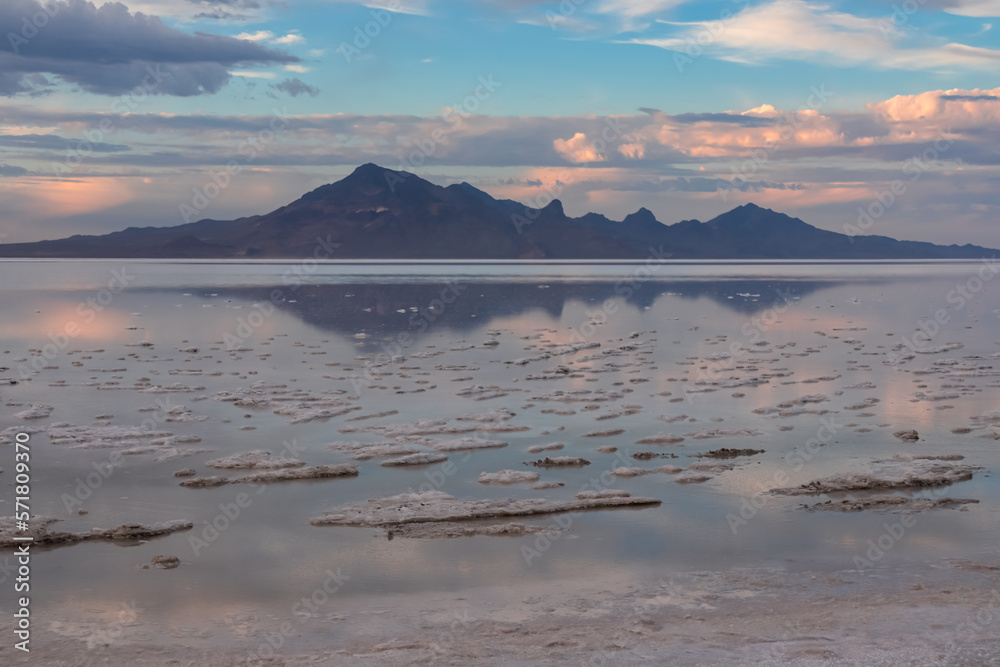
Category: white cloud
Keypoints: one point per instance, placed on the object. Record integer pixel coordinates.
(416, 7)
(290, 38)
(636, 8)
(259, 36)
(954, 110)
(578, 149)
(255, 75)
(977, 8)
(301, 69)
(801, 30)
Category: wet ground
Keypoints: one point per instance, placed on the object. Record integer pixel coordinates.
(645, 372)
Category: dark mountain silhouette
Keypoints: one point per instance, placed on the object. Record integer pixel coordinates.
(376, 213)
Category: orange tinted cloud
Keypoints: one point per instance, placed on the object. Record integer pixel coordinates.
(52, 198)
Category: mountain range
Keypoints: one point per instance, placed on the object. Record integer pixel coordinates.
(377, 213)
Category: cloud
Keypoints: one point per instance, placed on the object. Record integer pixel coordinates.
(259, 36)
(12, 171)
(801, 30)
(290, 38)
(970, 98)
(295, 87)
(255, 75)
(415, 7)
(268, 36)
(121, 52)
(224, 11)
(736, 119)
(589, 15)
(636, 8)
(886, 133)
(941, 109)
(976, 8)
(55, 143)
(578, 149)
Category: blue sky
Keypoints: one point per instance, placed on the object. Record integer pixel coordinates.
(687, 108)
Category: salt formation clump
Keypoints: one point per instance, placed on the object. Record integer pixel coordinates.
(439, 506)
(636, 472)
(508, 477)
(258, 460)
(36, 411)
(38, 530)
(897, 473)
(284, 475)
(420, 458)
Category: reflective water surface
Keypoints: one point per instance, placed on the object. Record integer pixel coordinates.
(683, 348)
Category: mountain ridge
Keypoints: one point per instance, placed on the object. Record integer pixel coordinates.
(378, 213)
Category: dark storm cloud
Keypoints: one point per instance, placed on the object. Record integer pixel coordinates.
(110, 51)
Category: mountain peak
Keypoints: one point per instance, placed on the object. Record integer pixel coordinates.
(367, 169)
(642, 216)
(372, 173)
(383, 213)
(555, 207)
(750, 207)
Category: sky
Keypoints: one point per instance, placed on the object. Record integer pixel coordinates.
(875, 117)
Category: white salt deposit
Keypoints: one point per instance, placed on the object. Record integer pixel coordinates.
(420, 458)
(508, 477)
(439, 506)
(256, 460)
(897, 473)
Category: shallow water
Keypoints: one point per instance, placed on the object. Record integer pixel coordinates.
(317, 330)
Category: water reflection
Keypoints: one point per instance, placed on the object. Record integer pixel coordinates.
(349, 308)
